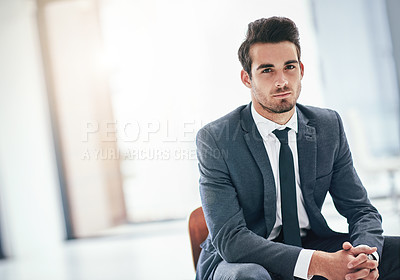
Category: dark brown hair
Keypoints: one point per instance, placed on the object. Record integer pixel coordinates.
(268, 30)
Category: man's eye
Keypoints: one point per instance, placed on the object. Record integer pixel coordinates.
(267, 70)
(290, 67)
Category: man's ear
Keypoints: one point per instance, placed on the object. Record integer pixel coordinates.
(302, 69)
(245, 78)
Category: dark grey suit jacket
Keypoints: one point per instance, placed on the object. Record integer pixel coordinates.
(237, 189)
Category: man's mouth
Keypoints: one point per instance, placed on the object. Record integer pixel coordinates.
(281, 95)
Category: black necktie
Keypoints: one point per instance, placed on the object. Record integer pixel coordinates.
(290, 222)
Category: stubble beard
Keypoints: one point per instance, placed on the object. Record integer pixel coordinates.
(283, 106)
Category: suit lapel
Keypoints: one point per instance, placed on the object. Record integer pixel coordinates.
(307, 154)
(256, 146)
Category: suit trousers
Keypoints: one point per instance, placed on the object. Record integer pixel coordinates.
(389, 266)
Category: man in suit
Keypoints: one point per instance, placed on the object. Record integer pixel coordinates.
(265, 170)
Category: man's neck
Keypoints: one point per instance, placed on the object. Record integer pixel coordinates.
(279, 118)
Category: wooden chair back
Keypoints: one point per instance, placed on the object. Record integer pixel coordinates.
(198, 232)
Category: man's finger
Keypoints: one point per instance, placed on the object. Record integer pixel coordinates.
(359, 274)
(361, 258)
(347, 246)
(373, 275)
(359, 263)
(362, 249)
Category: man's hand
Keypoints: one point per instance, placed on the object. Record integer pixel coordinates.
(332, 266)
(350, 263)
(362, 266)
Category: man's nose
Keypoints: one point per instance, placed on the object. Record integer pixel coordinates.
(281, 80)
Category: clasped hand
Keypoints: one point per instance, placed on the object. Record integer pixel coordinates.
(360, 265)
(351, 263)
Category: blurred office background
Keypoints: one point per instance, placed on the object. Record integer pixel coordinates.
(100, 102)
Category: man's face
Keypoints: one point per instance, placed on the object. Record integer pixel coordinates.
(276, 78)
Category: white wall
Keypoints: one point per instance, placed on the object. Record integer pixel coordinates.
(31, 211)
(174, 63)
(357, 64)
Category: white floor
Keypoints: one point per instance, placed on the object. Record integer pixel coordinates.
(146, 251)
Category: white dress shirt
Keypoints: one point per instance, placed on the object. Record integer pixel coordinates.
(272, 146)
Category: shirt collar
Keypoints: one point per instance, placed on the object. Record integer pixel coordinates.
(266, 126)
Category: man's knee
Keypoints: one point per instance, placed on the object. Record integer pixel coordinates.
(389, 265)
(251, 272)
(244, 271)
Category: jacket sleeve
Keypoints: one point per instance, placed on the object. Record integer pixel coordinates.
(229, 235)
(351, 200)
